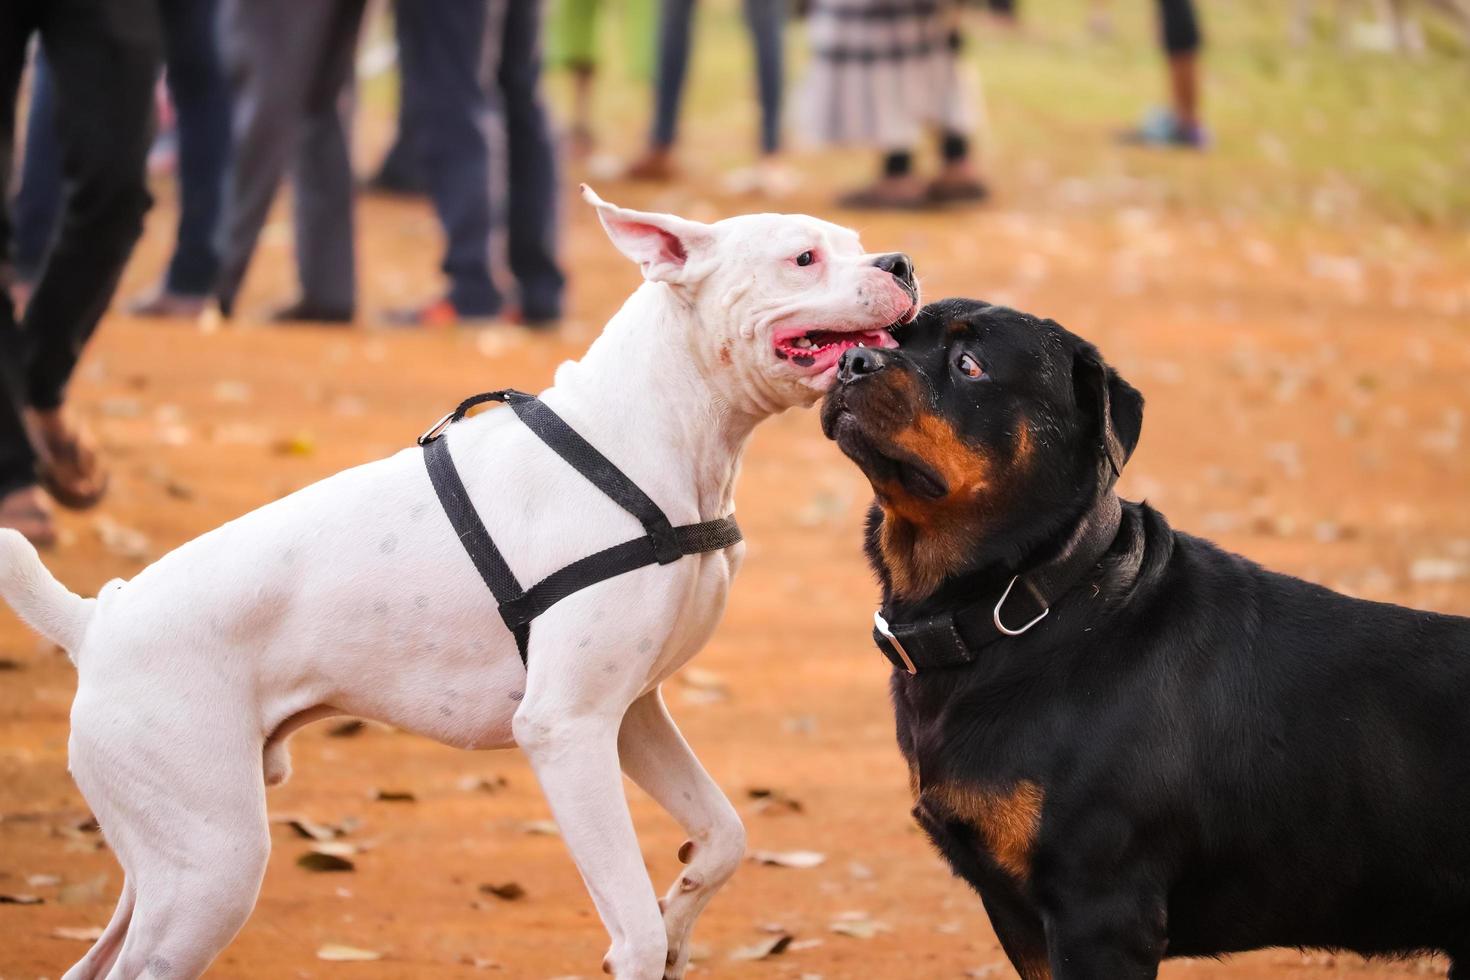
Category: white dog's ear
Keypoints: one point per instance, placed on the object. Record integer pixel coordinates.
(666, 247)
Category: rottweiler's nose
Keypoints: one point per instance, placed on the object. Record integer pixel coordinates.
(898, 265)
(857, 362)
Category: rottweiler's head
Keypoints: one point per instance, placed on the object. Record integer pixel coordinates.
(984, 434)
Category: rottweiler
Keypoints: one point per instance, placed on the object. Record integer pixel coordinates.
(1133, 744)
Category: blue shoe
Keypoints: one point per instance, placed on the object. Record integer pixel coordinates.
(1160, 129)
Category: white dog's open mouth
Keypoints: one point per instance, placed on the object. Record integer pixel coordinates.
(817, 350)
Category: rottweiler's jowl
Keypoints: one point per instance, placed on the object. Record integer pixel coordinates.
(1133, 744)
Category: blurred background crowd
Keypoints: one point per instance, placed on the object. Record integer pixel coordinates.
(234, 100)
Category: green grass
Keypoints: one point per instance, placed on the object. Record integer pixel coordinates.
(1314, 134)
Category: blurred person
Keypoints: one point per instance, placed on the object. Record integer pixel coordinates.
(882, 71)
(469, 66)
(765, 19)
(103, 60)
(291, 68)
(196, 85)
(397, 173)
(1179, 125)
(573, 36)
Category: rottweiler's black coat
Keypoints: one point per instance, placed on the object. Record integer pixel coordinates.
(1191, 755)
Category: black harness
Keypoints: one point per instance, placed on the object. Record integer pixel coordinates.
(663, 543)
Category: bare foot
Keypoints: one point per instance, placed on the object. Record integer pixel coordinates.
(28, 511)
(71, 467)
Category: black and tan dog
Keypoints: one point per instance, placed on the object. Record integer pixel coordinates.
(1133, 744)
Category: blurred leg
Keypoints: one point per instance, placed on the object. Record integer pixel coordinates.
(17, 460)
(270, 49)
(532, 214)
(322, 178)
(201, 97)
(38, 202)
(104, 60)
(1179, 26)
(442, 48)
(765, 19)
(675, 30)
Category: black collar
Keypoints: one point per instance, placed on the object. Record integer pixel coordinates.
(956, 637)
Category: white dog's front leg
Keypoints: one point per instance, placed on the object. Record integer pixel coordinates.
(575, 756)
(658, 759)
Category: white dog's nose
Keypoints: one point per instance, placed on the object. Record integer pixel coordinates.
(898, 265)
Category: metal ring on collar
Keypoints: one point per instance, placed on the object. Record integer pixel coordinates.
(881, 625)
(995, 617)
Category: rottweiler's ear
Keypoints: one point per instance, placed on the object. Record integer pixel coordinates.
(1114, 404)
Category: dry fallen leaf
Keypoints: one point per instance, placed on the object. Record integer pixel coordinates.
(765, 949)
(337, 953)
(86, 934)
(541, 828)
(311, 830)
(125, 542)
(348, 728)
(335, 848)
(510, 891)
(394, 796)
(482, 784)
(858, 928)
(773, 801)
(20, 899)
(789, 859)
(317, 861)
(297, 444)
(82, 892)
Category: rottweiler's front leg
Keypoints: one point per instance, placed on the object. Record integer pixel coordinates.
(1113, 935)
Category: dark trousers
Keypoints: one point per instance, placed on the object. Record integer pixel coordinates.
(104, 58)
(471, 67)
(765, 19)
(1179, 27)
(201, 97)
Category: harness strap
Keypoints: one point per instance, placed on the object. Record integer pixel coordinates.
(663, 543)
(489, 562)
(598, 469)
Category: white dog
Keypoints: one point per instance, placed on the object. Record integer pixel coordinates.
(354, 596)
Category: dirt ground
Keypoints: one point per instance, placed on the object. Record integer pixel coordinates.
(1306, 406)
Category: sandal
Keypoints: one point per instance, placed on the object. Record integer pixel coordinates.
(69, 465)
(26, 510)
(963, 190)
(887, 195)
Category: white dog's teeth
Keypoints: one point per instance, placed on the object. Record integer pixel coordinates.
(802, 342)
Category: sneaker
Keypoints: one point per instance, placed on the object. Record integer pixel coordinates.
(162, 303)
(304, 311)
(441, 314)
(1160, 129)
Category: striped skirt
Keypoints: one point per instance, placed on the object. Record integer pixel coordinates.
(882, 71)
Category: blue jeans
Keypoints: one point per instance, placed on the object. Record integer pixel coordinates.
(765, 18)
(444, 46)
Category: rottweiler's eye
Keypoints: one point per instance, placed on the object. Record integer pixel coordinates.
(806, 258)
(969, 367)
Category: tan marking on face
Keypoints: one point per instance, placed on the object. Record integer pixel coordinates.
(1007, 821)
(925, 541)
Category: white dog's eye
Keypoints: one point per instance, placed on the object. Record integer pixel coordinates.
(806, 258)
(969, 367)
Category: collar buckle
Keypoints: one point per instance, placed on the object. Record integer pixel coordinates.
(881, 625)
(995, 616)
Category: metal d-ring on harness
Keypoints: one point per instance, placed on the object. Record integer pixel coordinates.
(663, 543)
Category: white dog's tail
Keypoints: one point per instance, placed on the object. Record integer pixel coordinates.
(49, 607)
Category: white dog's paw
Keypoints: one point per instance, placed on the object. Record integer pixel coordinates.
(277, 763)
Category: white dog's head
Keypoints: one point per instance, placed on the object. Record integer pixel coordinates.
(775, 298)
